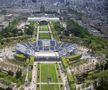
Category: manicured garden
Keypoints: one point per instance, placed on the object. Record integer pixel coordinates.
(44, 36)
(70, 76)
(64, 62)
(20, 57)
(50, 87)
(71, 81)
(74, 57)
(48, 73)
(43, 27)
(29, 75)
(56, 29)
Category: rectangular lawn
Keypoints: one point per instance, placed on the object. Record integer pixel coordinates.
(44, 36)
(49, 87)
(44, 28)
(48, 71)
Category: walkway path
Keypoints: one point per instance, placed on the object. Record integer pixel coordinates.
(50, 32)
(37, 33)
(64, 77)
(34, 77)
(26, 87)
(26, 79)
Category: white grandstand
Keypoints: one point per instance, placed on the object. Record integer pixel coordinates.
(49, 50)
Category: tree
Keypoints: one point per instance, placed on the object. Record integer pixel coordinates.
(18, 74)
(102, 77)
(106, 65)
(8, 88)
(10, 73)
(76, 29)
(103, 84)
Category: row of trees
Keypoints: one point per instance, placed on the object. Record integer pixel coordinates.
(57, 30)
(100, 80)
(76, 30)
(9, 77)
(30, 28)
(11, 33)
(98, 45)
(76, 33)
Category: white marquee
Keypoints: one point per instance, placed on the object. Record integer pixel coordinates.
(43, 19)
(46, 54)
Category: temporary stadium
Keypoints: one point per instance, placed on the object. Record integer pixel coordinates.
(46, 48)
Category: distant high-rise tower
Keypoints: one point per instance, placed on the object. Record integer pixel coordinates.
(65, 1)
(105, 8)
(23, 2)
(34, 1)
(62, 1)
(42, 8)
(106, 5)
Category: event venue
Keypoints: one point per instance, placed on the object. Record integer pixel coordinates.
(45, 47)
(53, 45)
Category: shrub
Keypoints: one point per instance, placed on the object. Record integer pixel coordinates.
(73, 87)
(20, 57)
(10, 73)
(71, 82)
(31, 60)
(64, 62)
(75, 57)
(70, 79)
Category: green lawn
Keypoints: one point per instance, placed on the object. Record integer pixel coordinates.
(44, 28)
(44, 36)
(48, 71)
(49, 87)
(29, 75)
(54, 32)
